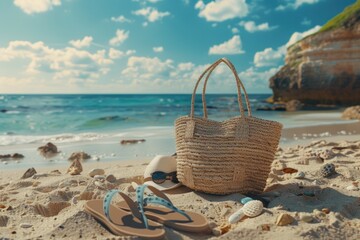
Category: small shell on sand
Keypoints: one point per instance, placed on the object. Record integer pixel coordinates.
(306, 217)
(284, 219)
(327, 170)
(222, 229)
(75, 167)
(325, 210)
(299, 175)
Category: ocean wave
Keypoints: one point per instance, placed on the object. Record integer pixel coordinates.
(6, 140)
(12, 112)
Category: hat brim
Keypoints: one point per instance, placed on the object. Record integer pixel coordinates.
(167, 185)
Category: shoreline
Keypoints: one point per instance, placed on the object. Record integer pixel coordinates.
(161, 143)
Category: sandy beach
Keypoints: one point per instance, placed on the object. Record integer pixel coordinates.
(49, 205)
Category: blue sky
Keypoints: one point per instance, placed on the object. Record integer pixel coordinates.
(149, 46)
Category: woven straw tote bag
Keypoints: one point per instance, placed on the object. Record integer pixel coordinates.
(229, 156)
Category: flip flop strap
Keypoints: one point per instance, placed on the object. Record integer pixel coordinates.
(134, 211)
(156, 200)
(140, 200)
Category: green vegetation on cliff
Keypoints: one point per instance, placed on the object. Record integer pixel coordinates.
(341, 19)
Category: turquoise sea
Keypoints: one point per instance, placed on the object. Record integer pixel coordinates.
(29, 118)
(97, 123)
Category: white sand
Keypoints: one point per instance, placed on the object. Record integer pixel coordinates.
(29, 198)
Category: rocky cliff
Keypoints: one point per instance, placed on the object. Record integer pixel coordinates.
(324, 68)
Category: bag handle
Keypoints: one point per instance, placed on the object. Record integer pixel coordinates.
(238, 81)
(239, 85)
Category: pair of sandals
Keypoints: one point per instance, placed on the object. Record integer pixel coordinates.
(141, 219)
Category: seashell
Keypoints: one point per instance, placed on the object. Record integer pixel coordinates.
(75, 167)
(111, 178)
(319, 214)
(289, 170)
(4, 220)
(29, 173)
(325, 210)
(25, 225)
(284, 219)
(251, 209)
(222, 229)
(2, 206)
(245, 200)
(327, 170)
(51, 209)
(299, 175)
(96, 171)
(306, 218)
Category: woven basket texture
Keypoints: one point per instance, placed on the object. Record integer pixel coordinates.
(229, 156)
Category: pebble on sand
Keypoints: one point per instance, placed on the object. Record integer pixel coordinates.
(96, 171)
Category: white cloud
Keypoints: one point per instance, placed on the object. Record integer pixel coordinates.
(221, 10)
(272, 57)
(251, 26)
(257, 80)
(232, 46)
(269, 57)
(158, 49)
(36, 6)
(115, 54)
(154, 74)
(295, 4)
(62, 63)
(235, 30)
(121, 19)
(151, 14)
(120, 37)
(85, 42)
(296, 36)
